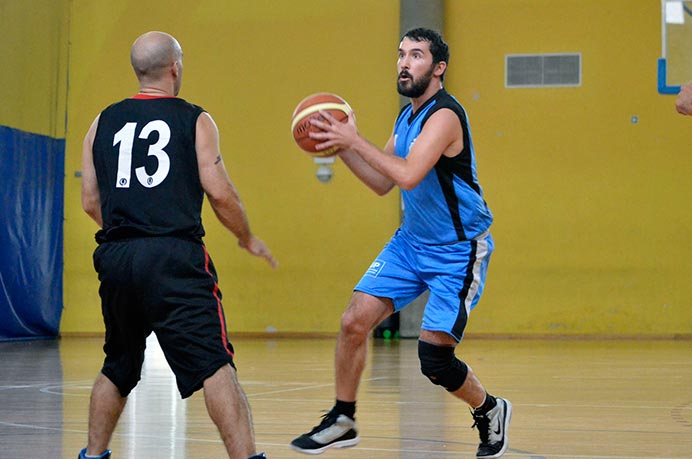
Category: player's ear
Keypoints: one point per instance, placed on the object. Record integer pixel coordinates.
(175, 69)
(440, 68)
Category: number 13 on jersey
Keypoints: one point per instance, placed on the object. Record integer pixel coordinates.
(125, 137)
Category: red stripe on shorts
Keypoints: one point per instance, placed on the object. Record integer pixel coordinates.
(219, 307)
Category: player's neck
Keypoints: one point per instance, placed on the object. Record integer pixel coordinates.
(432, 89)
(156, 90)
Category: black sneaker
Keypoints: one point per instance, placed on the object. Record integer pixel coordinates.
(492, 428)
(335, 431)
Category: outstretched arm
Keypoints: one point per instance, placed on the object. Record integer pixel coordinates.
(221, 192)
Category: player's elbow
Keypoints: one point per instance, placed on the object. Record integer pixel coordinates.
(92, 207)
(90, 204)
(682, 108)
(382, 188)
(408, 183)
(408, 178)
(217, 191)
(678, 107)
(221, 201)
(216, 200)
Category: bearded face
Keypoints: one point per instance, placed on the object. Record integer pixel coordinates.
(409, 86)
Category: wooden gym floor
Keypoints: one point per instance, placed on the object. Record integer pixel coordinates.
(572, 399)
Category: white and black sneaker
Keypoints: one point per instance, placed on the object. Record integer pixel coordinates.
(335, 431)
(492, 428)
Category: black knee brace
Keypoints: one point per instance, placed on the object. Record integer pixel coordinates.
(441, 367)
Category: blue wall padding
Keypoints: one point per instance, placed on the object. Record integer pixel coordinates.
(32, 172)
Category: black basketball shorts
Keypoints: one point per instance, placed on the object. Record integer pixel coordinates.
(169, 286)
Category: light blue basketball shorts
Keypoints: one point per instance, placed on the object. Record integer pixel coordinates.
(454, 273)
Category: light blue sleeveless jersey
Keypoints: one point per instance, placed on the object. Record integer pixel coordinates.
(447, 205)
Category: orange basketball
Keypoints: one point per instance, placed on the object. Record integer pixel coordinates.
(309, 109)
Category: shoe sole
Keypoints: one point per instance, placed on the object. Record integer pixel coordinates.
(336, 444)
(508, 417)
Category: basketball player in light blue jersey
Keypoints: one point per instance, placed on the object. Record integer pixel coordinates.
(443, 245)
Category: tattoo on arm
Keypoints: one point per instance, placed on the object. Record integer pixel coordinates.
(218, 160)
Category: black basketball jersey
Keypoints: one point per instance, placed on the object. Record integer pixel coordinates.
(146, 167)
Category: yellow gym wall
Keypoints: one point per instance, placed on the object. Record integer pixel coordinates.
(33, 84)
(593, 225)
(593, 228)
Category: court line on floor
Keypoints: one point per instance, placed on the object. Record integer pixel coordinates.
(359, 448)
(510, 453)
(50, 388)
(530, 405)
(30, 386)
(297, 389)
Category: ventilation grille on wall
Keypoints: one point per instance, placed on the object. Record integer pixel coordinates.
(540, 70)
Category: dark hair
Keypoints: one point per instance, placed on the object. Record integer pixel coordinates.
(438, 47)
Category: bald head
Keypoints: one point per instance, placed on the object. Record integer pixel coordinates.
(153, 53)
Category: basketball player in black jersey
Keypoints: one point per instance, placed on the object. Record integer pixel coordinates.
(147, 163)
